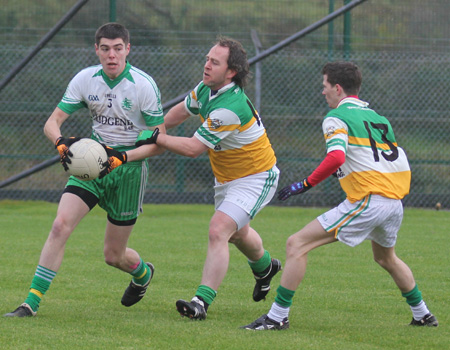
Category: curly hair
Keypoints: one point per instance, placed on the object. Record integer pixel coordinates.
(237, 59)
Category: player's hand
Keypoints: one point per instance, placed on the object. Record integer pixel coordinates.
(293, 189)
(115, 159)
(62, 144)
(147, 137)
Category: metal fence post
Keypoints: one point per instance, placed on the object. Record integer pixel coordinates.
(347, 32)
(258, 47)
(112, 10)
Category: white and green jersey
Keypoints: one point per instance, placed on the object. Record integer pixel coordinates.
(374, 163)
(236, 137)
(120, 109)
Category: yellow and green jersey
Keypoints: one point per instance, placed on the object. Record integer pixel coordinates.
(374, 163)
(233, 131)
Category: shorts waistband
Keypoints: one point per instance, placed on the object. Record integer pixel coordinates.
(378, 198)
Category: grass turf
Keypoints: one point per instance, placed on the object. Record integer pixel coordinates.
(345, 301)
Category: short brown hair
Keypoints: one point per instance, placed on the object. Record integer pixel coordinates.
(346, 74)
(112, 31)
(237, 59)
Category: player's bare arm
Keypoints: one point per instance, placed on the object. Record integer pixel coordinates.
(185, 146)
(176, 116)
(52, 128)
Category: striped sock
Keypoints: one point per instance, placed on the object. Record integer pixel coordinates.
(42, 279)
(141, 274)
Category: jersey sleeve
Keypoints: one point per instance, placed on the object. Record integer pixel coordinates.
(335, 132)
(151, 108)
(73, 97)
(191, 101)
(329, 165)
(220, 123)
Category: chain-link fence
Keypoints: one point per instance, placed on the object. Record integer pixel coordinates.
(405, 85)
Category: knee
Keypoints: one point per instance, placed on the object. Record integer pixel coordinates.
(60, 228)
(293, 246)
(384, 261)
(111, 258)
(216, 234)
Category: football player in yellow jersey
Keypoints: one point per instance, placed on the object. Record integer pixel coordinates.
(242, 160)
(374, 173)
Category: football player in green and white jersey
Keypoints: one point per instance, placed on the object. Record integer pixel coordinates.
(374, 173)
(123, 101)
(243, 162)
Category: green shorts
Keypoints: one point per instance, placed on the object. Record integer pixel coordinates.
(120, 193)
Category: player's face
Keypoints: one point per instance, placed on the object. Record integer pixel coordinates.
(216, 73)
(113, 56)
(331, 93)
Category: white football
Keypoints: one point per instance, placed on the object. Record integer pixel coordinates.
(87, 160)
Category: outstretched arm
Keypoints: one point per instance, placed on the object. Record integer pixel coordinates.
(176, 116)
(329, 165)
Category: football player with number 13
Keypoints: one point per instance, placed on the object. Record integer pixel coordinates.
(374, 173)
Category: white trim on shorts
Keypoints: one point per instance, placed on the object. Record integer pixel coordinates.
(250, 193)
(374, 217)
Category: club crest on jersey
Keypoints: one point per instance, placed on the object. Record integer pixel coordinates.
(127, 104)
(215, 123)
(330, 131)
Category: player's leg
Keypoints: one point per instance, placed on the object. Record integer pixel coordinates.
(122, 200)
(297, 248)
(399, 271)
(115, 250)
(263, 266)
(404, 279)
(120, 256)
(71, 210)
(298, 245)
(257, 191)
(221, 228)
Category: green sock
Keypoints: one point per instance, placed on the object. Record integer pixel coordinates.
(141, 274)
(42, 279)
(413, 297)
(262, 264)
(284, 296)
(206, 293)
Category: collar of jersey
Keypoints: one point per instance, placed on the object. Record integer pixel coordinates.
(353, 100)
(113, 82)
(222, 90)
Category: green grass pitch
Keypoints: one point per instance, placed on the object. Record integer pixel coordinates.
(345, 301)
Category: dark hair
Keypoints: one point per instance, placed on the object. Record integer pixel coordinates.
(346, 74)
(237, 59)
(112, 31)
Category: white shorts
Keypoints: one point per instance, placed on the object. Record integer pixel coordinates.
(374, 218)
(243, 198)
